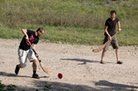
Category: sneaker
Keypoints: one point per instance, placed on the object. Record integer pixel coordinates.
(17, 70)
(35, 76)
(119, 62)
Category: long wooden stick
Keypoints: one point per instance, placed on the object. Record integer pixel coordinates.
(43, 67)
(103, 46)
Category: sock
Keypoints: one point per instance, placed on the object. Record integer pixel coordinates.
(34, 72)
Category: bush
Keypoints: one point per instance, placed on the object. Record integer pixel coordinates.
(7, 88)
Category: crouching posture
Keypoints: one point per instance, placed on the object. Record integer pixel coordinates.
(29, 41)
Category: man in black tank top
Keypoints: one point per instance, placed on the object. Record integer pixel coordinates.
(110, 30)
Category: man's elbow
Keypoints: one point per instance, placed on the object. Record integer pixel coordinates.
(23, 30)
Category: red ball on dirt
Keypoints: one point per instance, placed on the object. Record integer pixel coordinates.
(60, 75)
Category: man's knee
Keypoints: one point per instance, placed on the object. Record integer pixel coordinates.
(34, 61)
(22, 65)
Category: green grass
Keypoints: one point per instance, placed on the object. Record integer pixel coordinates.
(86, 36)
(68, 21)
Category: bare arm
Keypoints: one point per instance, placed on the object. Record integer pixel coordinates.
(24, 31)
(107, 32)
(33, 46)
(119, 27)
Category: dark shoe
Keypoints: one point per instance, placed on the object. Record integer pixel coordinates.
(17, 70)
(119, 62)
(35, 76)
(102, 62)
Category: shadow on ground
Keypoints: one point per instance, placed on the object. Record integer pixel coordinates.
(102, 85)
(84, 61)
(116, 86)
(11, 75)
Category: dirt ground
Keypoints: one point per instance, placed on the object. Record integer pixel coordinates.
(79, 65)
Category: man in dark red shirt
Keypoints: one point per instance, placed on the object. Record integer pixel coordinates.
(25, 51)
(110, 30)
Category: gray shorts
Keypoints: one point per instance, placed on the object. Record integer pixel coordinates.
(114, 43)
(24, 54)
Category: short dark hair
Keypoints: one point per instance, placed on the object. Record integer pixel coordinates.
(113, 11)
(40, 29)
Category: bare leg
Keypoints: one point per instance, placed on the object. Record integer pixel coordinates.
(34, 65)
(34, 70)
(103, 53)
(118, 62)
(20, 66)
(116, 51)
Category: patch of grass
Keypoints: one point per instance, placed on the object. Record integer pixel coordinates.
(74, 35)
(128, 37)
(68, 21)
(85, 36)
(71, 13)
(48, 87)
(10, 33)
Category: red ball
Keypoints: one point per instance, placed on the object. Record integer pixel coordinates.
(60, 75)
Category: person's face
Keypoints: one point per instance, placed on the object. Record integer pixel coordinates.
(40, 32)
(113, 15)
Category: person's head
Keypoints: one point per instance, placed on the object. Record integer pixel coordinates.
(40, 31)
(113, 13)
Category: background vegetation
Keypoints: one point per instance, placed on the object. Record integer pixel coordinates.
(69, 21)
(3, 87)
